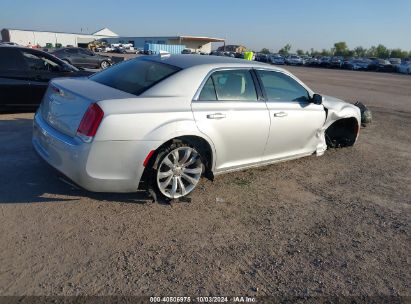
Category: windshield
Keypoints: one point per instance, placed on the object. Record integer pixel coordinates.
(135, 76)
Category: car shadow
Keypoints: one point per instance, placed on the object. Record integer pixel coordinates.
(26, 178)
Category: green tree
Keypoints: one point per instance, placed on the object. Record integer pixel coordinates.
(359, 51)
(265, 51)
(285, 50)
(382, 51)
(372, 52)
(340, 48)
(398, 53)
(325, 52)
(300, 52)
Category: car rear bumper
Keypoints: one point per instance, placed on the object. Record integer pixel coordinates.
(100, 166)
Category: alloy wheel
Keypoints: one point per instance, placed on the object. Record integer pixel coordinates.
(179, 172)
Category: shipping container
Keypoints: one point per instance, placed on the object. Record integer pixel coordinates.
(170, 48)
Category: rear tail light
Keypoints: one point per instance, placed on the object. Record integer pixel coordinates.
(90, 122)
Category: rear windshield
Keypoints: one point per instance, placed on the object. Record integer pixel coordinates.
(135, 76)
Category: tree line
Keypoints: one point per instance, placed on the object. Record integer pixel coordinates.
(341, 49)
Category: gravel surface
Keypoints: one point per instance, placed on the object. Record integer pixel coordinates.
(336, 225)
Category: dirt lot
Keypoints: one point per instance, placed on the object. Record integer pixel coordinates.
(336, 225)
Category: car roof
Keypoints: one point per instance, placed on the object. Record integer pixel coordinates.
(187, 61)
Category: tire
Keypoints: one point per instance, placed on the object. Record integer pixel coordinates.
(175, 171)
(104, 64)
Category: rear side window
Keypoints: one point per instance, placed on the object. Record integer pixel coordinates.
(135, 76)
(229, 85)
(208, 91)
(11, 59)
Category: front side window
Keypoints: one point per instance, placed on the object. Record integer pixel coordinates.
(229, 85)
(36, 62)
(135, 76)
(280, 87)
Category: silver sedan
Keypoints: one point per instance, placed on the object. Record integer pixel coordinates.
(172, 119)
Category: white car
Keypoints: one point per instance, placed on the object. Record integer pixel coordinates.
(172, 119)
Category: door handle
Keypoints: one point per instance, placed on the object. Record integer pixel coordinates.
(216, 116)
(280, 114)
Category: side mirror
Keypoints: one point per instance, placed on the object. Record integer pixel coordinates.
(317, 99)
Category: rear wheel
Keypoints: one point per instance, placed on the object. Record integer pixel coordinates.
(176, 171)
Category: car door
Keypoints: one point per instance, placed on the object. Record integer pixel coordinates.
(229, 111)
(295, 120)
(14, 82)
(88, 58)
(73, 56)
(41, 69)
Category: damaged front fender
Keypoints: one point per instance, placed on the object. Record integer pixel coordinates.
(336, 109)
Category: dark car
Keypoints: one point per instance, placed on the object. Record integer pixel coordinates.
(25, 73)
(381, 65)
(83, 58)
(336, 62)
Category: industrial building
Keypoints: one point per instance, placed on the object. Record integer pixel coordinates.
(53, 39)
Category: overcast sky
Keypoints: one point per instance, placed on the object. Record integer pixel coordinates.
(304, 24)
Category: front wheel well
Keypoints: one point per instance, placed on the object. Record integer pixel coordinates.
(342, 133)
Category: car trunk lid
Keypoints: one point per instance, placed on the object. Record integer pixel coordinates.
(66, 100)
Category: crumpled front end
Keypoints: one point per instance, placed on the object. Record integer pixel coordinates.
(337, 109)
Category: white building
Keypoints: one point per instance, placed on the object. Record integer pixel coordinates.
(42, 38)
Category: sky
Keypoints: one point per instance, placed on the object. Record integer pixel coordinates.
(305, 24)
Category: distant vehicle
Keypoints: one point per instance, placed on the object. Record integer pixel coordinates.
(177, 118)
(313, 61)
(405, 67)
(395, 63)
(356, 64)
(336, 62)
(25, 73)
(83, 58)
(293, 60)
(186, 51)
(325, 61)
(277, 59)
(262, 58)
(381, 65)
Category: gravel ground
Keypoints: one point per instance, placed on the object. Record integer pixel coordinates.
(336, 225)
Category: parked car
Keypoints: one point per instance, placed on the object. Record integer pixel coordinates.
(262, 58)
(140, 119)
(313, 61)
(405, 67)
(293, 60)
(277, 59)
(356, 64)
(325, 61)
(381, 65)
(336, 62)
(83, 58)
(25, 73)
